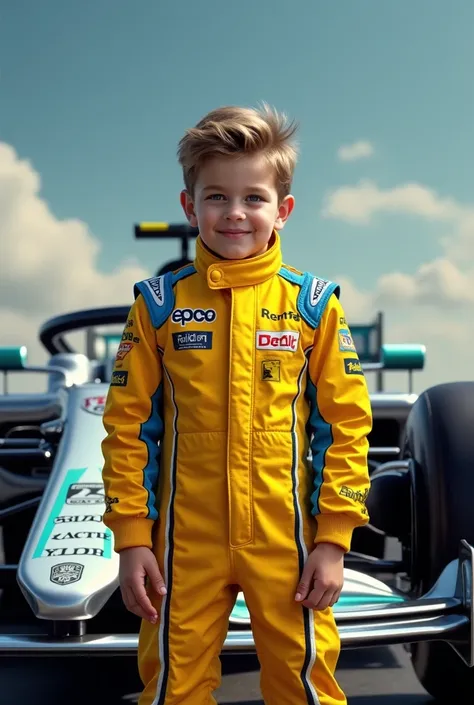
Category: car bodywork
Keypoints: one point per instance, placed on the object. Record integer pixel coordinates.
(67, 571)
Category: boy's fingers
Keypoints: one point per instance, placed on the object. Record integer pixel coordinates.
(133, 606)
(140, 597)
(156, 578)
(305, 583)
(314, 596)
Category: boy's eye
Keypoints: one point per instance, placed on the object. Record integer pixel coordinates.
(255, 197)
(215, 196)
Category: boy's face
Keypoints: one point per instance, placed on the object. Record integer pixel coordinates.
(236, 206)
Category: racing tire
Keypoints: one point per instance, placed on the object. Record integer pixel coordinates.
(439, 444)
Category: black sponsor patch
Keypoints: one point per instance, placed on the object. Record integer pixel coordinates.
(271, 370)
(352, 366)
(119, 379)
(130, 337)
(108, 503)
(193, 340)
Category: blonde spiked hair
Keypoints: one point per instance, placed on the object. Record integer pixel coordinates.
(234, 131)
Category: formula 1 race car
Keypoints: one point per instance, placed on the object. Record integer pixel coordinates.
(59, 576)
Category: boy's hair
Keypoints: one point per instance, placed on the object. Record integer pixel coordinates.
(234, 131)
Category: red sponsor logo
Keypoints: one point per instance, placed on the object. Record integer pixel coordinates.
(94, 405)
(123, 350)
(278, 340)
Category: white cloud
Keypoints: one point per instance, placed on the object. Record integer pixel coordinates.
(49, 266)
(359, 204)
(438, 283)
(433, 306)
(357, 150)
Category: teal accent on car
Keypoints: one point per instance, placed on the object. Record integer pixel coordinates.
(347, 601)
(13, 358)
(403, 356)
(72, 476)
(241, 613)
(108, 544)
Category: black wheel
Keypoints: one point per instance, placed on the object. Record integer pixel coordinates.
(439, 442)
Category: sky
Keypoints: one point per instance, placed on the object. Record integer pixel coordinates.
(94, 97)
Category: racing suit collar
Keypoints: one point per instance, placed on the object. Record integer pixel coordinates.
(226, 274)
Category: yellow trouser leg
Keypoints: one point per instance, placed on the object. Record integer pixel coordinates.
(179, 658)
(298, 649)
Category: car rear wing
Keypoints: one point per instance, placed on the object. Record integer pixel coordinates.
(398, 357)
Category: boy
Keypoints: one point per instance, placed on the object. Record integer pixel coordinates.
(231, 370)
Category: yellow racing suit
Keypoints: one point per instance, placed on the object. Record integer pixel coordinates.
(237, 422)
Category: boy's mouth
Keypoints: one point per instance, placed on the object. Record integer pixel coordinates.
(233, 233)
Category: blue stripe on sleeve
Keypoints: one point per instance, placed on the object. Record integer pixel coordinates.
(151, 432)
(320, 443)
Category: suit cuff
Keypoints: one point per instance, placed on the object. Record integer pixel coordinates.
(131, 532)
(335, 528)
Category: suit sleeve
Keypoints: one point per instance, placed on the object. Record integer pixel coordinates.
(134, 427)
(340, 421)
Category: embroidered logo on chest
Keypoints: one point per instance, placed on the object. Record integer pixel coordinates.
(285, 340)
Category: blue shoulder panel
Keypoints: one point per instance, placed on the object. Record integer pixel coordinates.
(183, 273)
(159, 295)
(314, 294)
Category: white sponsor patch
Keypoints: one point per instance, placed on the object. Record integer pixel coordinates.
(278, 340)
(155, 286)
(318, 287)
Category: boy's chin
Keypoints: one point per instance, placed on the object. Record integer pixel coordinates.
(239, 251)
(234, 254)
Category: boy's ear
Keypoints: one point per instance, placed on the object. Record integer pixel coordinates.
(284, 211)
(188, 208)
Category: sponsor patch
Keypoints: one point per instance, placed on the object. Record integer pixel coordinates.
(66, 573)
(108, 503)
(119, 379)
(122, 352)
(346, 344)
(318, 287)
(155, 286)
(271, 370)
(356, 496)
(285, 316)
(285, 340)
(94, 405)
(85, 493)
(352, 366)
(183, 316)
(193, 340)
(130, 338)
(342, 321)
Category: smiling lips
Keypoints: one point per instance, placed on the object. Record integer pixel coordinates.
(233, 234)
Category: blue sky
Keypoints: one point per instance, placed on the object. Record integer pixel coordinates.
(96, 94)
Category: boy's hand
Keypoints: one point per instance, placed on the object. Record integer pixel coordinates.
(323, 577)
(135, 564)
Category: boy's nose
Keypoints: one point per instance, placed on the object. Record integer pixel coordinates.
(235, 213)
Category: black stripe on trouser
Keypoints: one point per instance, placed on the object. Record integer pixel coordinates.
(300, 548)
(165, 664)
